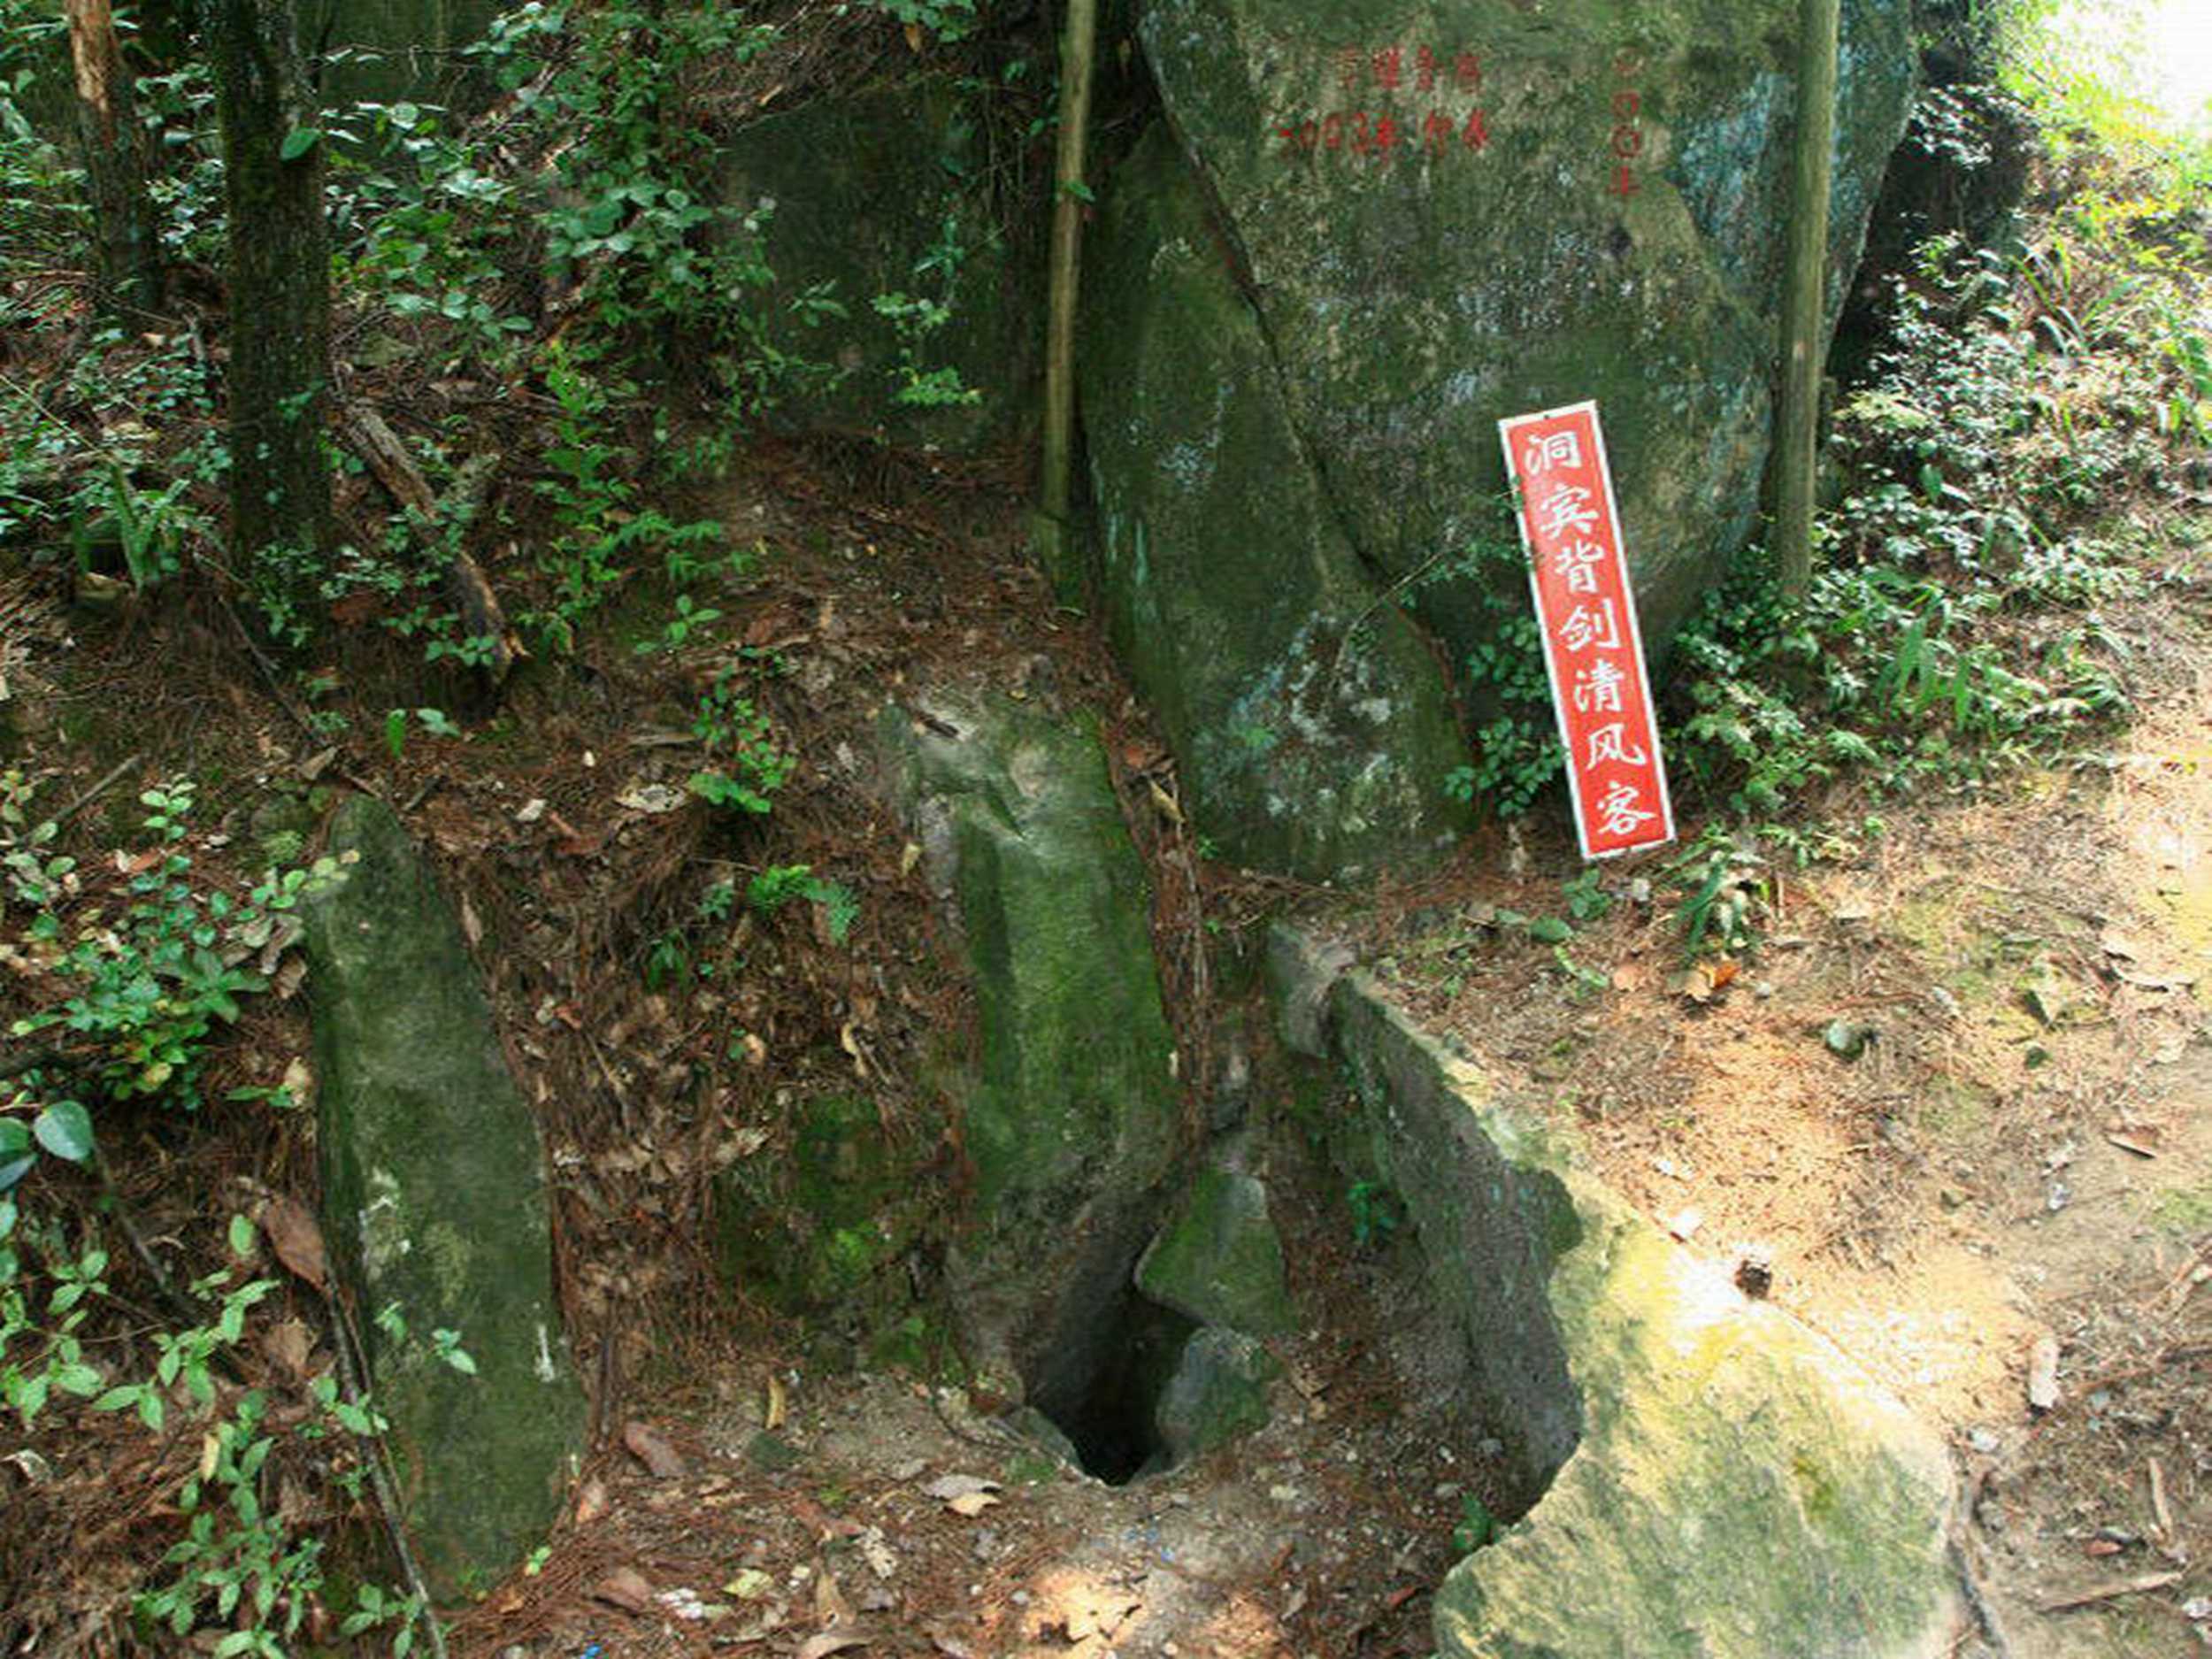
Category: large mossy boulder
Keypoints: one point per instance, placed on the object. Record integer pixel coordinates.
(1696, 1475)
(880, 203)
(1363, 233)
(1070, 1107)
(435, 1204)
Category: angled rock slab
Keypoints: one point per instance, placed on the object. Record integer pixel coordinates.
(1313, 723)
(1072, 1111)
(1220, 1260)
(1706, 1478)
(1217, 1392)
(433, 1200)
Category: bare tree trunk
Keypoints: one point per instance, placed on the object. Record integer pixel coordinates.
(126, 245)
(278, 379)
(1049, 528)
(1804, 321)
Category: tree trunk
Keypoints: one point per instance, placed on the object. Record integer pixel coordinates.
(1049, 529)
(1804, 320)
(278, 378)
(126, 245)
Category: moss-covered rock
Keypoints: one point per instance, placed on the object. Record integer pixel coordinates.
(1392, 223)
(434, 1201)
(1313, 725)
(1071, 1108)
(1217, 1392)
(882, 195)
(1220, 1261)
(1698, 1475)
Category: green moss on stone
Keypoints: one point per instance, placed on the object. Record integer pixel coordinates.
(1072, 1111)
(1220, 1261)
(435, 1200)
(1708, 1479)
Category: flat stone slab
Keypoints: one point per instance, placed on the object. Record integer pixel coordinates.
(1706, 1477)
(433, 1199)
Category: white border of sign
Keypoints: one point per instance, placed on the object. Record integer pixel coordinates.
(1506, 429)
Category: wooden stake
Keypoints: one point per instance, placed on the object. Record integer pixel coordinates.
(1078, 43)
(1804, 304)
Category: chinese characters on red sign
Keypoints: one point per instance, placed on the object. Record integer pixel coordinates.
(1587, 615)
(1448, 125)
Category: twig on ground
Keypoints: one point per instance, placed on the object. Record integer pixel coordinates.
(2142, 1583)
(114, 773)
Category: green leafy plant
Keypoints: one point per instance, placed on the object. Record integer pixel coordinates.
(1476, 1527)
(1587, 901)
(1375, 1212)
(433, 722)
(668, 962)
(142, 991)
(746, 765)
(1516, 736)
(947, 19)
(777, 885)
(1726, 893)
(677, 630)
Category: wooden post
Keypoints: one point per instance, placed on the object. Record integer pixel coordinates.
(1805, 300)
(1078, 42)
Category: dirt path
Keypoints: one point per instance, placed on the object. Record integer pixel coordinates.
(1960, 1092)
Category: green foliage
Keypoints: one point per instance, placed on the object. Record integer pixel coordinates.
(594, 496)
(142, 990)
(947, 19)
(914, 318)
(668, 962)
(778, 885)
(1955, 628)
(1726, 891)
(1375, 1212)
(238, 1567)
(433, 721)
(1587, 901)
(1516, 738)
(1476, 1527)
(746, 766)
(677, 630)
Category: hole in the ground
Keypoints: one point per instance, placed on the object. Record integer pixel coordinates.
(1110, 1415)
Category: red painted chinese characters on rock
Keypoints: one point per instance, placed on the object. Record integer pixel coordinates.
(1441, 129)
(1627, 141)
(1587, 615)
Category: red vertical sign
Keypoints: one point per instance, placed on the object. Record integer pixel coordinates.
(1593, 650)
